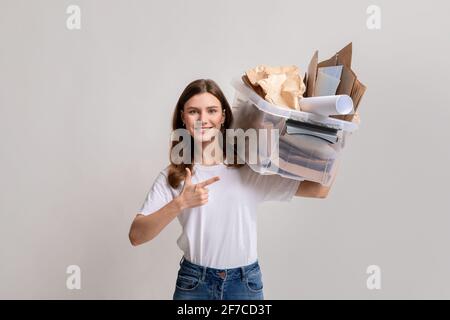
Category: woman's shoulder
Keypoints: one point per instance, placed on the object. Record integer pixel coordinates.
(165, 171)
(162, 176)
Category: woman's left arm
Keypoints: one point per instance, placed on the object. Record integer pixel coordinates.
(312, 190)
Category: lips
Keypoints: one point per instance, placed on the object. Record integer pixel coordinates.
(203, 130)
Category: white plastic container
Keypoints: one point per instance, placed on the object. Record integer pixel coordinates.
(308, 146)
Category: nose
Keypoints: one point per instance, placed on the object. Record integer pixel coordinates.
(204, 117)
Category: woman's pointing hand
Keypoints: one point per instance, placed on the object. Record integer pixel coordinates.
(194, 195)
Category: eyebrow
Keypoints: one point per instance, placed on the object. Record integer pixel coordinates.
(210, 107)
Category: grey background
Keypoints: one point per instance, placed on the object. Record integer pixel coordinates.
(84, 130)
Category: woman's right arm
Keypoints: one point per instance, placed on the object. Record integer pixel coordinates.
(145, 228)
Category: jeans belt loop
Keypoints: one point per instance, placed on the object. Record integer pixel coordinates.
(244, 275)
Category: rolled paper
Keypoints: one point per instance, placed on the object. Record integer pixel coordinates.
(327, 105)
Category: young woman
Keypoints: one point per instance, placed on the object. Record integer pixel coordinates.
(215, 203)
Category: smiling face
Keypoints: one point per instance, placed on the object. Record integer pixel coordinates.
(203, 110)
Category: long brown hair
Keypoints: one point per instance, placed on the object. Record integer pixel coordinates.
(177, 172)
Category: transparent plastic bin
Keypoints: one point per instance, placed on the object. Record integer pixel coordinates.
(308, 147)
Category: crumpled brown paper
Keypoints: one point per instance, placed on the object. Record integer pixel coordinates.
(282, 86)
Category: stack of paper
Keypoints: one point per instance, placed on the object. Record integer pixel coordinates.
(335, 77)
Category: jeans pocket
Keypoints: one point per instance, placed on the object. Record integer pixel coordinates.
(254, 280)
(187, 282)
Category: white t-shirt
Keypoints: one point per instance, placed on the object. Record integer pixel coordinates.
(222, 233)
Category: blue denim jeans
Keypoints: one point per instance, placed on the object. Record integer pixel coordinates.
(195, 282)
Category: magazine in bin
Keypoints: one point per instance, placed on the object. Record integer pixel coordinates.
(308, 146)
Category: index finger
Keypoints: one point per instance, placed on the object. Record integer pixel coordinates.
(208, 182)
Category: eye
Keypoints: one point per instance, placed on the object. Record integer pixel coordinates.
(192, 111)
(212, 111)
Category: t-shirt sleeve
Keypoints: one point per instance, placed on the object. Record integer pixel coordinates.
(158, 196)
(273, 187)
